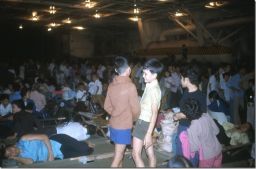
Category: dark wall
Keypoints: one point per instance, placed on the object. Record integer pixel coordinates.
(114, 42)
(30, 42)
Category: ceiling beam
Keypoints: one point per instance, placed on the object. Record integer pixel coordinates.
(224, 23)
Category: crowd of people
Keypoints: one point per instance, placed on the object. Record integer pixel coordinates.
(132, 92)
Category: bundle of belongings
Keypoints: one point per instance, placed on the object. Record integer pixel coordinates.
(168, 129)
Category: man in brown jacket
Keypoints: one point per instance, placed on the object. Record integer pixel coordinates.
(122, 103)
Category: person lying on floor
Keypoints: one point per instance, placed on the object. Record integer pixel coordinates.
(39, 148)
(239, 134)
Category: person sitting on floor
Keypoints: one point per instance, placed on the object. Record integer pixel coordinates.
(201, 135)
(23, 122)
(38, 147)
(218, 108)
(5, 106)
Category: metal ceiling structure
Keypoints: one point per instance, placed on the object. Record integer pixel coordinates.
(201, 26)
(117, 12)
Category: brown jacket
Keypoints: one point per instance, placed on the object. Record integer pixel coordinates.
(122, 103)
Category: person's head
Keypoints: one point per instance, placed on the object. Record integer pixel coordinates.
(5, 99)
(179, 162)
(29, 107)
(121, 66)
(16, 86)
(81, 86)
(191, 109)
(213, 95)
(11, 151)
(17, 106)
(25, 93)
(190, 75)
(36, 87)
(151, 69)
(242, 71)
(95, 77)
(226, 76)
(249, 129)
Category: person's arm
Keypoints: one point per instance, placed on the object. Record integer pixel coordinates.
(148, 137)
(22, 160)
(107, 104)
(43, 138)
(134, 102)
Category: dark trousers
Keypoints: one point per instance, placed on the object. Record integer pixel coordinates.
(70, 147)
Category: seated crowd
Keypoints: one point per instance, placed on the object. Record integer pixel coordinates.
(214, 108)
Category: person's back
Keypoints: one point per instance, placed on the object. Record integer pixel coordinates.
(197, 95)
(118, 92)
(25, 123)
(39, 100)
(202, 134)
(190, 79)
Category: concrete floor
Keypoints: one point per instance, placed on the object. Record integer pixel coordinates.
(104, 152)
(103, 147)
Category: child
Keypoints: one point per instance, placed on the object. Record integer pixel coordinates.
(38, 147)
(201, 134)
(5, 106)
(122, 104)
(150, 103)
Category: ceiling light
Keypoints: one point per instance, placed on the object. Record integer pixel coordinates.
(78, 27)
(180, 13)
(34, 13)
(136, 10)
(34, 16)
(52, 10)
(89, 4)
(68, 21)
(20, 27)
(215, 4)
(97, 15)
(134, 19)
(53, 24)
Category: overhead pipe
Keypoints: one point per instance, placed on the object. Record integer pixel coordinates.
(230, 22)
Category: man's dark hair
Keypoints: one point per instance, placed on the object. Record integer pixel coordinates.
(4, 96)
(191, 108)
(24, 91)
(214, 95)
(121, 64)
(19, 103)
(192, 73)
(154, 66)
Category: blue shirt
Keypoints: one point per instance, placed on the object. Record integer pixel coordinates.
(234, 82)
(37, 150)
(15, 96)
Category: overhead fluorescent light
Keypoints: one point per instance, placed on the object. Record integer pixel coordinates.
(78, 27)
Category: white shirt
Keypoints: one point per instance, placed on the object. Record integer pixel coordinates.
(95, 88)
(80, 95)
(73, 129)
(68, 94)
(4, 110)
